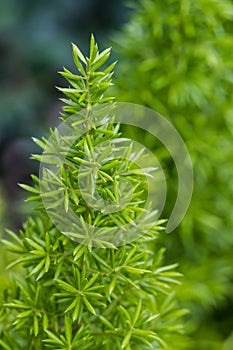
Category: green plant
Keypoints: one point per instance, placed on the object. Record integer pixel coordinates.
(79, 291)
(175, 57)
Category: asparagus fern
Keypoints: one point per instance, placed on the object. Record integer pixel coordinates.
(77, 291)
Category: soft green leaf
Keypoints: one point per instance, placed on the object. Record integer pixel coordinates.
(88, 305)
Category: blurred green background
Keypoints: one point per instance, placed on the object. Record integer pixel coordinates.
(176, 57)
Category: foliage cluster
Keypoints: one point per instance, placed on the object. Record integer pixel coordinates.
(79, 291)
(176, 58)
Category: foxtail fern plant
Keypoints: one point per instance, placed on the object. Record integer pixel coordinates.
(73, 289)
